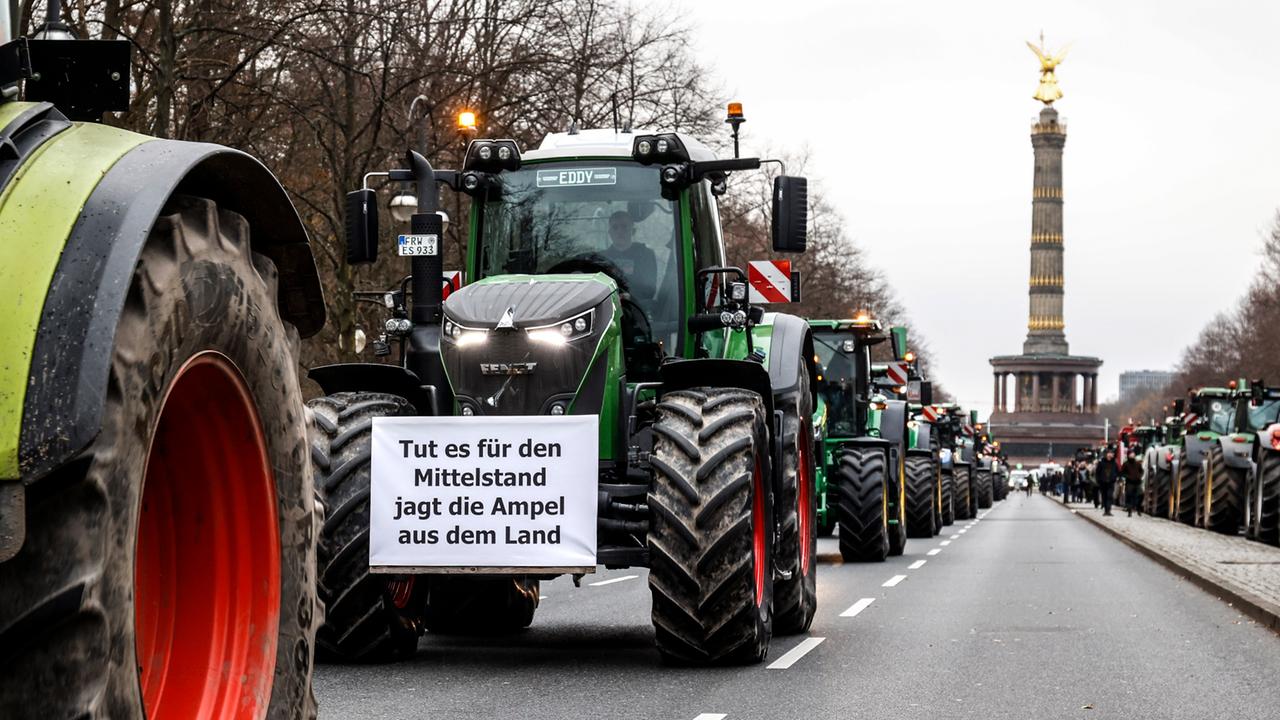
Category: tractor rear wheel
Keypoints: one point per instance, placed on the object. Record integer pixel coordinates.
(1223, 509)
(711, 538)
(1185, 502)
(982, 482)
(795, 599)
(898, 511)
(461, 605)
(1160, 487)
(948, 498)
(921, 498)
(861, 483)
(183, 538)
(1268, 524)
(370, 618)
(963, 494)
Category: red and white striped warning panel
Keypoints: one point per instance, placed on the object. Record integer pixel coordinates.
(770, 281)
(1189, 419)
(968, 431)
(452, 281)
(930, 413)
(897, 373)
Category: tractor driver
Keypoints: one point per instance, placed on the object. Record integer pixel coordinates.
(635, 260)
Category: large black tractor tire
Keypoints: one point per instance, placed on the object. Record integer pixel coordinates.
(898, 523)
(982, 483)
(1268, 522)
(183, 538)
(795, 599)
(1224, 494)
(711, 536)
(860, 483)
(1160, 487)
(963, 493)
(948, 498)
(461, 605)
(921, 498)
(369, 618)
(1188, 481)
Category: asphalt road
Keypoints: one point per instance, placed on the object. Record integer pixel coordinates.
(1027, 613)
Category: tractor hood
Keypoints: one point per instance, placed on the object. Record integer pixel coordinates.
(534, 300)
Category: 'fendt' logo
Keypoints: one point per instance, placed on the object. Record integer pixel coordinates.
(516, 368)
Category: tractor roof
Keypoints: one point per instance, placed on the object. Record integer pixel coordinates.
(604, 143)
(862, 327)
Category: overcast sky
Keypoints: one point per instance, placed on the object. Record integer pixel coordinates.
(917, 117)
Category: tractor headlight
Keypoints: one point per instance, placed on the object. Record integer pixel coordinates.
(665, 148)
(643, 148)
(492, 156)
(464, 336)
(737, 291)
(569, 330)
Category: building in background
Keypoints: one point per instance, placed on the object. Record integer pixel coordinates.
(1136, 383)
(1046, 399)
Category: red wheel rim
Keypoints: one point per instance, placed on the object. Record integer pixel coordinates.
(207, 575)
(401, 590)
(758, 530)
(804, 494)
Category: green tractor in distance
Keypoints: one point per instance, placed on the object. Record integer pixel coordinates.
(1160, 465)
(956, 458)
(597, 286)
(922, 471)
(865, 447)
(1211, 414)
(1263, 508)
(1230, 476)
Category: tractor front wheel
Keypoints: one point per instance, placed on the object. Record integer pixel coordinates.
(795, 599)
(168, 571)
(963, 493)
(861, 483)
(1268, 523)
(711, 535)
(1223, 494)
(370, 618)
(1184, 505)
(948, 498)
(921, 494)
(982, 482)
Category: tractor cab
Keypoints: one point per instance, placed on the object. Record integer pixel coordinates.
(843, 351)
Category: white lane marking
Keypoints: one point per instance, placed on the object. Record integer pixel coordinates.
(796, 653)
(944, 543)
(917, 565)
(857, 607)
(894, 580)
(934, 551)
(955, 537)
(962, 531)
(611, 581)
(711, 716)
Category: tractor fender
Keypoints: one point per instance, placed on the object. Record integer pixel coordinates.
(718, 372)
(1196, 448)
(893, 422)
(790, 344)
(90, 237)
(1237, 454)
(867, 442)
(374, 377)
(924, 438)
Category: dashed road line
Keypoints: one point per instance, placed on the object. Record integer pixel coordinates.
(934, 551)
(944, 543)
(956, 536)
(796, 653)
(917, 565)
(894, 580)
(712, 716)
(857, 607)
(611, 581)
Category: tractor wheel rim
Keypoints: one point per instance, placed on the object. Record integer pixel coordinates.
(804, 496)
(758, 531)
(207, 574)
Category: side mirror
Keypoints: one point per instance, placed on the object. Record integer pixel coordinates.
(898, 337)
(362, 227)
(790, 213)
(926, 393)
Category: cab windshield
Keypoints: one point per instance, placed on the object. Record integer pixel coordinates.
(1263, 416)
(597, 216)
(839, 374)
(1222, 415)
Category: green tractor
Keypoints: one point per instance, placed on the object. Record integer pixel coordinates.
(157, 514)
(864, 450)
(1215, 494)
(1230, 485)
(1160, 465)
(596, 285)
(1263, 507)
(922, 471)
(956, 456)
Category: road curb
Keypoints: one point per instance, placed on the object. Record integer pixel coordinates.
(1266, 613)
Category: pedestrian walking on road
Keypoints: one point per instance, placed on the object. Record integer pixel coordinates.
(1091, 487)
(1105, 475)
(1131, 472)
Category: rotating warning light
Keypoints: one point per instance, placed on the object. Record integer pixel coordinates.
(467, 120)
(735, 112)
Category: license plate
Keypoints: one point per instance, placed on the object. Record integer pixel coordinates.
(410, 245)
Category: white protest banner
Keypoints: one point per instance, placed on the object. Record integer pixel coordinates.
(476, 494)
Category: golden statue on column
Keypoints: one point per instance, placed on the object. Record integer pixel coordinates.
(1048, 90)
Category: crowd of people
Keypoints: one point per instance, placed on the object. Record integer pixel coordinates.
(1083, 481)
